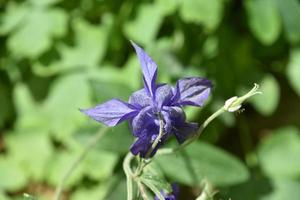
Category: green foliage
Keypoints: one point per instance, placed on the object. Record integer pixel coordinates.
(202, 161)
(58, 56)
(279, 154)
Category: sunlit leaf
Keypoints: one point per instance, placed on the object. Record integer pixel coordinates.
(267, 102)
(37, 145)
(293, 70)
(35, 31)
(11, 175)
(96, 192)
(202, 161)
(144, 28)
(264, 20)
(103, 160)
(279, 153)
(67, 95)
(205, 12)
(290, 12)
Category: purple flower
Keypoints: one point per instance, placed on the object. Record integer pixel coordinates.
(155, 102)
(173, 195)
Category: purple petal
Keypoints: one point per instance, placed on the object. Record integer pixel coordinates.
(144, 120)
(191, 91)
(142, 144)
(163, 95)
(183, 131)
(176, 124)
(140, 99)
(149, 69)
(111, 112)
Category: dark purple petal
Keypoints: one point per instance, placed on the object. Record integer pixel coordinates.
(183, 131)
(191, 91)
(140, 99)
(142, 144)
(164, 94)
(176, 123)
(149, 69)
(111, 112)
(144, 120)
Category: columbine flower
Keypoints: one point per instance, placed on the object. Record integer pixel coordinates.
(171, 196)
(153, 106)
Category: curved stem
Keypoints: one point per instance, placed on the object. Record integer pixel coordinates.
(129, 175)
(157, 139)
(93, 141)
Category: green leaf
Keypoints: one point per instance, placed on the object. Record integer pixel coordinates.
(202, 161)
(264, 189)
(167, 6)
(279, 153)
(293, 70)
(264, 20)
(58, 167)
(153, 176)
(104, 160)
(144, 28)
(97, 192)
(67, 95)
(11, 175)
(267, 102)
(34, 32)
(284, 189)
(290, 12)
(30, 114)
(205, 12)
(44, 2)
(12, 17)
(35, 144)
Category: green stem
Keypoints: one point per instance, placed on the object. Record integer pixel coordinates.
(93, 141)
(157, 139)
(129, 175)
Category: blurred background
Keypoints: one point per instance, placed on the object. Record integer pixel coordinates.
(59, 55)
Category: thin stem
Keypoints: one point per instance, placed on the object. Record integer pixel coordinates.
(142, 190)
(93, 141)
(196, 136)
(129, 175)
(157, 139)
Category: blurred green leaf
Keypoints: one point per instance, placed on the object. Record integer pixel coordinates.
(67, 95)
(279, 153)
(202, 161)
(293, 70)
(97, 192)
(44, 2)
(33, 28)
(99, 165)
(30, 114)
(265, 189)
(58, 167)
(118, 188)
(290, 12)
(144, 28)
(37, 145)
(206, 12)
(264, 20)
(11, 175)
(284, 189)
(86, 53)
(267, 102)
(167, 6)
